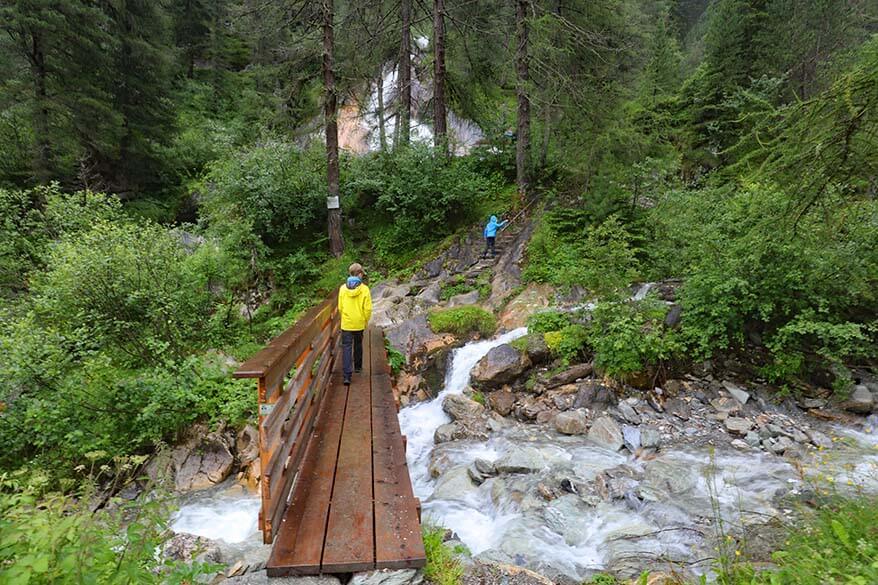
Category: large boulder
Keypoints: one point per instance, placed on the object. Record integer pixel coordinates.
(202, 464)
(606, 433)
(502, 402)
(537, 350)
(467, 298)
(459, 407)
(861, 400)
(502, 365)
(574, 422)
(534, 298)
(414, 336)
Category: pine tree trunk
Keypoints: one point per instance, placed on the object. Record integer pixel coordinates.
(404, 78)
(522, 145)
(382, 130)
(44, 148)
(440, 129)
(330, 107)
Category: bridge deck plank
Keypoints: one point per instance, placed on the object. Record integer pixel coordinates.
(352, 508)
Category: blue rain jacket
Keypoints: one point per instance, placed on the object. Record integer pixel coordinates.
(494, 226)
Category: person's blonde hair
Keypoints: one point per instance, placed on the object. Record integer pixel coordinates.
(356, 269)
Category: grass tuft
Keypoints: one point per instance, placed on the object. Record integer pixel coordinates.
(463, 321)
(442, 568)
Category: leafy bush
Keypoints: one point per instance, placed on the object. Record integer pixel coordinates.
(463, 321)
(836, 544)
(569, 343)
(629, 336)
(275, 189)
(58, 540)
(395, 358)
(124, 287)
(419, 197)
(546, 321)
(750, 266)
(601, 258)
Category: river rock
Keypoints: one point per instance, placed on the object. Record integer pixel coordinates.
(736, 391)
(501, 402)
(860, 401)
(454, 484)
(752, 439)
(631, 437)
(812, 403)
(536, 349)
(191, 548)
(468, 298)
(502, 365)
(412, 336)
(459, 407)
(778, 445)
(679, 408)
(819, 439)
(737, 425)
(628, 414)
(650, 437)
(261, 578)
(247, 445)
(725, 405)
(574, 422)
(526, 459)
(606, 433)
(447, 432)
(429, 296)
(388, 577)
(592, 393)
(203, 465)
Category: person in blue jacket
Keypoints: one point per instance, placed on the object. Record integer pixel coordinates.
(491, 234)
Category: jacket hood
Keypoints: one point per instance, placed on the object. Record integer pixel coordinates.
(493, 219)
(356, 291)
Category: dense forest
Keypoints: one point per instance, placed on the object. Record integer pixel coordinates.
(166, 168)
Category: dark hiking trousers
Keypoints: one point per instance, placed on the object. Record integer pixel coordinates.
(351, 353)
(489, 246)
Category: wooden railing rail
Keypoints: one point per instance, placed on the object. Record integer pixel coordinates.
(293, 373)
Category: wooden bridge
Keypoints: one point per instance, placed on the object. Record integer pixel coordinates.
(336, 491)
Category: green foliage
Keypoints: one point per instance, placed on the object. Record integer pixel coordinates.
(747, 264)
(463, 321)
(458, 285)
(58, 540)
(126, 287)
(395, 358)
(629, 336)
(836, 544)
(275, 189)
(601, 258)
(418, 197)
(442, 568)
(545, 321)
(568, 343)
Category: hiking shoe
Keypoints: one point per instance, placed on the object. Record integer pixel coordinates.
(347, 382)
(358, 370)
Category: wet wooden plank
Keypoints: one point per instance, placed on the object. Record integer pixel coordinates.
(398, 540)
(298, 547)
(350, 532)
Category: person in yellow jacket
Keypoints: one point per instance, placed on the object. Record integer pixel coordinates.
(355, 307)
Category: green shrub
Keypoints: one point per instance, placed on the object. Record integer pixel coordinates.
(58, 540)
(748, 265)
(395, 358)
(629, 336)
(569, 343)
(417, 196)
(124, 287)
(600, 258)
(442, 568)
(836, 544)
(275, 188)
(463, 321)
(546, 321)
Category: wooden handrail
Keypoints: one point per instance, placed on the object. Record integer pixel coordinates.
(293, 373)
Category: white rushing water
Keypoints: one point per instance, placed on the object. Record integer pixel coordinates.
(419, 422)
(229, 518)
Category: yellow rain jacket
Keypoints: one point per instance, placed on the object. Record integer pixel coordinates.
(355, 306)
